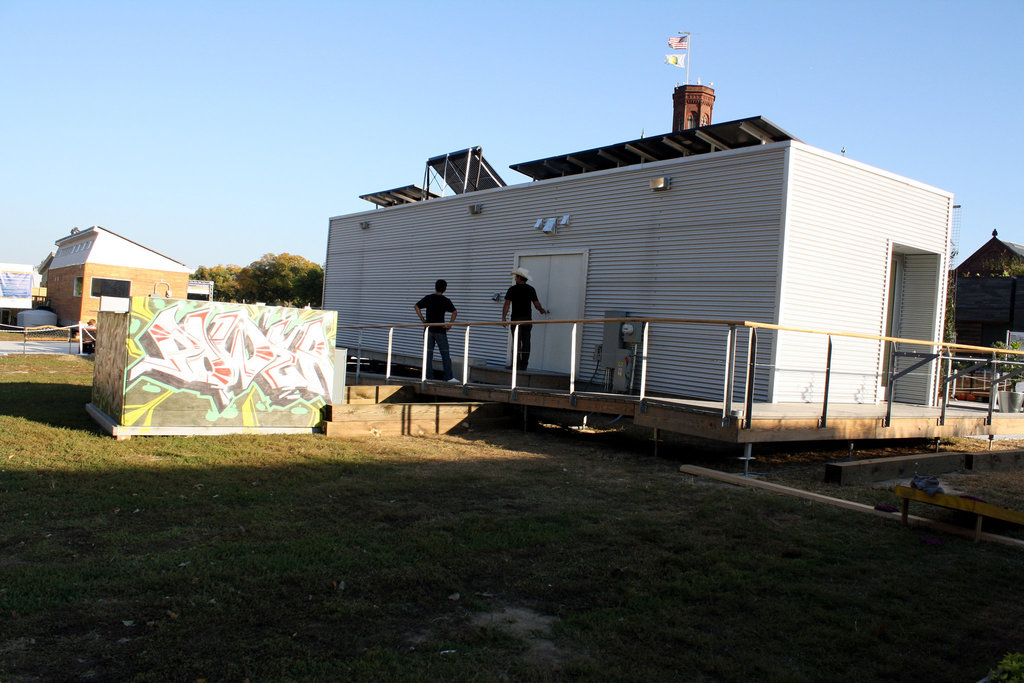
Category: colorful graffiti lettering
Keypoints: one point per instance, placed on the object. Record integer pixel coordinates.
(253, 360)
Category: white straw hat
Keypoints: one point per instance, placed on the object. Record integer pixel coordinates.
(522, 272)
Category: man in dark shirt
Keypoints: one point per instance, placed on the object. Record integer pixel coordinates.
(436, 305)
(519, 298)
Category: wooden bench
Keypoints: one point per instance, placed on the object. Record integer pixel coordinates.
(976, 507)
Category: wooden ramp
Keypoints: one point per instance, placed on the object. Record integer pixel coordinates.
(400, 410)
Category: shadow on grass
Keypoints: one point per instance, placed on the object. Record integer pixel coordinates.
(308, 558)
(51, 404)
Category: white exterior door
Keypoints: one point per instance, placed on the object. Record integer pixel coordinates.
(560, 281)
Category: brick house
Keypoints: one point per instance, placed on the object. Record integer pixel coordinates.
(96, 262)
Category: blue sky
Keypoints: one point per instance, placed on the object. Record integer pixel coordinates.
(216, 132)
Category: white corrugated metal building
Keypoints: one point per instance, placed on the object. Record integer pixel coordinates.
(753, 225)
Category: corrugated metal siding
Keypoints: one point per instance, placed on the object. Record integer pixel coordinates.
(706, 248)
(842, 216)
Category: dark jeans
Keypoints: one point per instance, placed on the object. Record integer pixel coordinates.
(441, 339)
(524, 345)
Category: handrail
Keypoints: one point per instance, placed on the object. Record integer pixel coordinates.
(703, 321)
(945, 351)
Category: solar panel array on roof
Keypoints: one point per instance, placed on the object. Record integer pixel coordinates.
(461, 172)
(703, 140)
(468, 171)
(399, 195)
(464, 171)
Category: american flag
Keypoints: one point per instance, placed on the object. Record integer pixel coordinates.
(679, 42)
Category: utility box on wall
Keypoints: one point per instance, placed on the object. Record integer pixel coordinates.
(174, 366)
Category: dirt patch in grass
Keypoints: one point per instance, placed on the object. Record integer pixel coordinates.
(529, 626)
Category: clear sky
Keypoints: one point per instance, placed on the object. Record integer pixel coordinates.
(217, 131)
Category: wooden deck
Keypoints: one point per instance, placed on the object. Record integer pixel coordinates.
(763, 422)
(769, 422)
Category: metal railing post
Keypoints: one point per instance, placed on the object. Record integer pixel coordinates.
(515, 356)
(748, 398)
(947, 386)
(993, 371)
(572, 366)
(730, 366)
(643, 366)
(890, 385)
(387, 372)
(359, 355)
(823, 420)
(465, 359)
(423, 372)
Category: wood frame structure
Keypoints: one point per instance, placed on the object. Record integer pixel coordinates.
(979, 508)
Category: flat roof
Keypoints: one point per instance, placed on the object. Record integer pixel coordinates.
(713, 138)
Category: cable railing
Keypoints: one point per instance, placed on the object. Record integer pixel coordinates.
(995, 372)
(739, 376)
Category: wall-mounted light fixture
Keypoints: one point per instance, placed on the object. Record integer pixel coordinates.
(548, 225)
(364, 224)
(476, 209)
(661, 183)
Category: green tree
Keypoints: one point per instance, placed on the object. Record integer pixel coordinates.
(225, 285)
(281, 280)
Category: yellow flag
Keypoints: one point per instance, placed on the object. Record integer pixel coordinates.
(676, 60)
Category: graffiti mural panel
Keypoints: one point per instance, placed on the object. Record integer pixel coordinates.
(198, 363)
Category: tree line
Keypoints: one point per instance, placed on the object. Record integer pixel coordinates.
(275, 279)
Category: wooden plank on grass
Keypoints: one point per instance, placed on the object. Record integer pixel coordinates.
(910, 520)
(858, 472)
(959, 503)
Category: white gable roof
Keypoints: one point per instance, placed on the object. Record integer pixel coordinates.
(101, 246)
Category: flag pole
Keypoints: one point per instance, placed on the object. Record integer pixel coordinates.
(689, 54)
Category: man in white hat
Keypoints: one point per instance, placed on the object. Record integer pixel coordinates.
(519, 298)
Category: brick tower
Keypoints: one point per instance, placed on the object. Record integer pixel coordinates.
(691, 106)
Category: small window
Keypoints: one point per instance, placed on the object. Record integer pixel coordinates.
(78, 286)
(101, 286)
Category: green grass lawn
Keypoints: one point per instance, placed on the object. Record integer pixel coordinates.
(505, 556)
